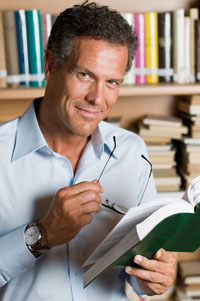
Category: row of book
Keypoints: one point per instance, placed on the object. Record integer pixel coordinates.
(23, 39)
(168, 47)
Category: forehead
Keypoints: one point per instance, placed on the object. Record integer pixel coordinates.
(99, 55)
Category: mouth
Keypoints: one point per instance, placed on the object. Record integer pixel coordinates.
(88, 113)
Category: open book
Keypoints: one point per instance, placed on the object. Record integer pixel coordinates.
(169, 223)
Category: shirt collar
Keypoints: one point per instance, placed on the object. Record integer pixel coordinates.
(29, 137)
(102, 139)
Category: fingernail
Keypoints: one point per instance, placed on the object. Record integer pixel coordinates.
(95, 181)
(128, 269)
(159, 253)
(138, 258)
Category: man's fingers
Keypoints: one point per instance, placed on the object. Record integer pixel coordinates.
(147, 264)
(160, 258)
(144, 274)
(84, 186)
(165, 256)
(85, 219)
(89, 196)
(90, 207)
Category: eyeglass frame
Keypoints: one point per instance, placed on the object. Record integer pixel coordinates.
(113, 206)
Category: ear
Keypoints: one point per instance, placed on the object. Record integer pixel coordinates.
(49, 64)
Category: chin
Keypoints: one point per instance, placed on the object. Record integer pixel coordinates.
(85, 129)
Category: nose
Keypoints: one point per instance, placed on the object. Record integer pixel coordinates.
(95, 93)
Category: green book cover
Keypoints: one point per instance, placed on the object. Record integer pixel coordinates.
(169, 223)
(177, 233)
(35, 48)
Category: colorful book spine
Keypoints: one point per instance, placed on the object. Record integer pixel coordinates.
(194, 14)
(46, 29)
(198, 49)
(179, 64)
(3, 70)
(22, 46)
(151, 43)
(187, 49)
(140, 58)
(11, 48)
(165, 47)
(35, 48)
(129, 78)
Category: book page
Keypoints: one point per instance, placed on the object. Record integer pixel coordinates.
(192, 194)
(133, 217)
(156, 217)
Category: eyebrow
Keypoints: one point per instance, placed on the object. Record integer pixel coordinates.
(86, 70)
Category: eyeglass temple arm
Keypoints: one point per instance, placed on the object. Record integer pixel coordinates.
(147, 179)
(115, 144)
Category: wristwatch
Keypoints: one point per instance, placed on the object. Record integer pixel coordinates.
(33, 240)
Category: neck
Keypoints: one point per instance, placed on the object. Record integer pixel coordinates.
(61, 141)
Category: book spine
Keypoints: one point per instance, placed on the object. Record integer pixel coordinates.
(140, 59)
(151, 43)
(194, 14)
(53, 19)
(46, 29)
(35, 48)
(11, 48)
(22, 46)
(198, 50)
(129, 78)
(187, 48)
(179, 70)
(3, 70)
(165, 46)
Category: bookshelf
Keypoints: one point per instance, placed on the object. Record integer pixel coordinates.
(134, 101)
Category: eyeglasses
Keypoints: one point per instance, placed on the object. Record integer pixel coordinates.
(150, 172)
(113, 206)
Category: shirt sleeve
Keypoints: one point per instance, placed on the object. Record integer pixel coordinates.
(15, 258)
(133, 282)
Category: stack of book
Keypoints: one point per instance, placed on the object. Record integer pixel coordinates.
(188, 157)
(161, 129)
(188, 281)
(189, 150)
(189, 109)
(159, 132)
(23, 39)
(168, 46)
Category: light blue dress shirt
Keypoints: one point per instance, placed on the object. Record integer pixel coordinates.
(30, 175)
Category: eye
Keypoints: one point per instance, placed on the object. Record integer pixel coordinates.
(113, 83)
(83, 74)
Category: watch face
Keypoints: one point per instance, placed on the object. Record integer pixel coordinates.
(32, 235)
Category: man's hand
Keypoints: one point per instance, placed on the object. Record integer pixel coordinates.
(156, 275)
(69, 212)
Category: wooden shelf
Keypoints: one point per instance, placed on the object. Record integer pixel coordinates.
(21, 93)
(160, 89)
(136, 90)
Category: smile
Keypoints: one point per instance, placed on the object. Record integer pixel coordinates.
(88, 113)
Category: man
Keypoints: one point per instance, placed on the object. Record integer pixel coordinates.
(51, 216)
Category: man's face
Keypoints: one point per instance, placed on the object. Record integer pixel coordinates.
(86, 86)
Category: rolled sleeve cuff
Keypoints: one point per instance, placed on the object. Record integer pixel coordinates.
(15, 258)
